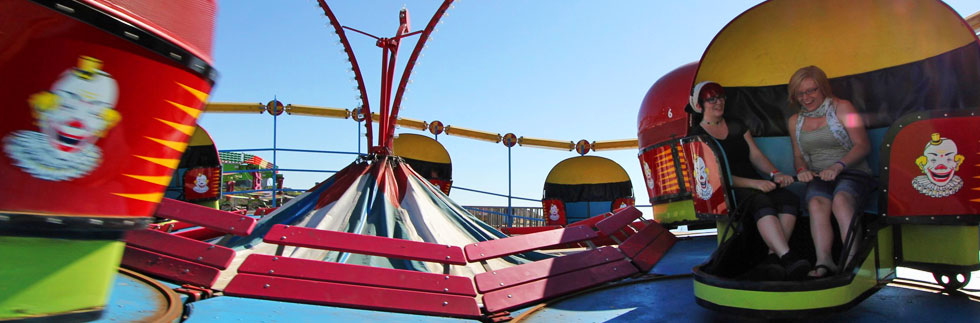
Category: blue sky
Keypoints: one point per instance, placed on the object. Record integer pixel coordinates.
(565, 70)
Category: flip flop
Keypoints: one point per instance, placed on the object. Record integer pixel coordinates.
(828, 271)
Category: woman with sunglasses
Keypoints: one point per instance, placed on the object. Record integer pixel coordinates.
(774, 209)
(829, 147)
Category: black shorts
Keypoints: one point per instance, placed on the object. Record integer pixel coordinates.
(759, 204)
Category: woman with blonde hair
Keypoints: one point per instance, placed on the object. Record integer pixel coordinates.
(829, 147)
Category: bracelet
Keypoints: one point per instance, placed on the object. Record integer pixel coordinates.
(773, 173)
(843, 165)
(800, 170)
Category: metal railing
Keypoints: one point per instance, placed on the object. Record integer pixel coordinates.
(497, 216)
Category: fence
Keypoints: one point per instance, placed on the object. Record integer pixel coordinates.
(496, 216)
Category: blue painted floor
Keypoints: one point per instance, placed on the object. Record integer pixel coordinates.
(685, 254)
(134, 300)
(672, 300)
(237, 309)
(668, 298)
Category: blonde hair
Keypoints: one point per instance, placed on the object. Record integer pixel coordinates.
(808, 72)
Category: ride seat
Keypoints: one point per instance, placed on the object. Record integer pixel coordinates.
(779, 150)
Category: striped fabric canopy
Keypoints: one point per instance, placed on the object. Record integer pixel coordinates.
(382, 197)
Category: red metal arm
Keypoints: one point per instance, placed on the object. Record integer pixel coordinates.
(353, 62)
(411, 64)
(387, 80)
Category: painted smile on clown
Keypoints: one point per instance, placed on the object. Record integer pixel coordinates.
(939, 162)
(940, 172)
(76, 125)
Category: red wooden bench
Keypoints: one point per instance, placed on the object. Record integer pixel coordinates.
(605, 239)
(516, 286)
(338, 284)
(180, 259)
(646, 246)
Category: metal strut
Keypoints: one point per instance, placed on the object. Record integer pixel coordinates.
(389, 49)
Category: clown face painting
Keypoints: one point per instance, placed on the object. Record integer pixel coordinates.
(703, 186)
(647, 175)
(72, 116)
(553, 213)
(939, 163)
(201, 184)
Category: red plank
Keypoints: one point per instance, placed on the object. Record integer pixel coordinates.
(264, 210)
(226, 222)
(654, 252)
(181, 247)
(199, 233)
(364, 244)
(513, 245)
(520, 295)
(619, 220)
(170, 226)
(632, 246)
(527, 230)
(170, 268)
(336, 294)
(590, 222)
(357, 274)
(520, 274)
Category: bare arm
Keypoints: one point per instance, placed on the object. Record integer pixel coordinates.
(762, 185)
(758, 159)
(761, 163)
(854, 125)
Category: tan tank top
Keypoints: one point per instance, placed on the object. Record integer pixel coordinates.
(824, 150)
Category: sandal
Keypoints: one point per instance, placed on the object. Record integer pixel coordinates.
(828, 271)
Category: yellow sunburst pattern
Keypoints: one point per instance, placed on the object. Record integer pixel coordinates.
(181, 123)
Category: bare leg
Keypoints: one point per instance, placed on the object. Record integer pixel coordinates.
(787, 222)
(843, 208)
(772, 234)
(823, 233)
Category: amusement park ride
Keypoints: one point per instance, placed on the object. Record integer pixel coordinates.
(104, 122)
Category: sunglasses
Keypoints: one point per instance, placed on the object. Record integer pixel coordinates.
(715, 99)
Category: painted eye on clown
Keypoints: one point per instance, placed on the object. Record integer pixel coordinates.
(71, 95)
